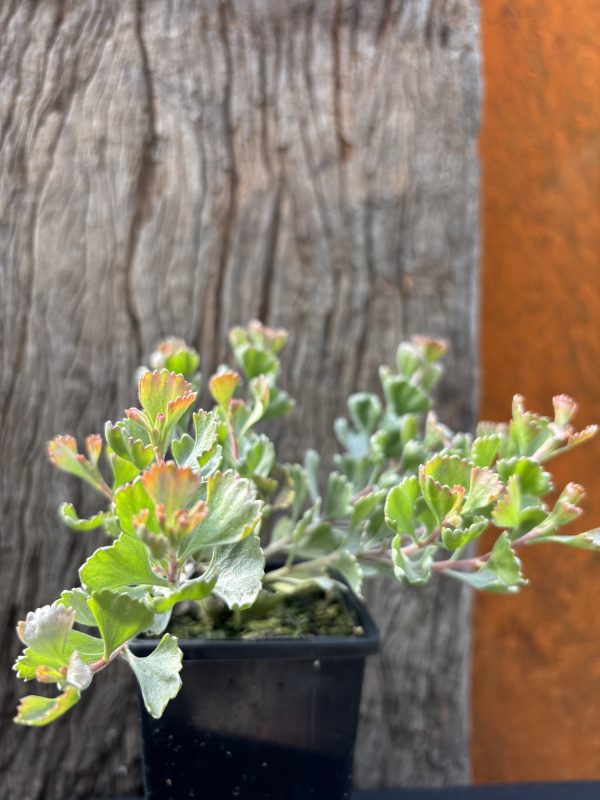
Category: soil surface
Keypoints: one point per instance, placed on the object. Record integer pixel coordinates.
(307, 613)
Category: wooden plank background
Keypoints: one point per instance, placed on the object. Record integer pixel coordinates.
(181, 167)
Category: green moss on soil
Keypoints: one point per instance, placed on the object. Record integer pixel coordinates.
(307, 613)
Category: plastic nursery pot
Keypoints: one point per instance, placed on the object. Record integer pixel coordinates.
(270, 719)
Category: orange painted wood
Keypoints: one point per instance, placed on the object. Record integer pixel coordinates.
(536, 679)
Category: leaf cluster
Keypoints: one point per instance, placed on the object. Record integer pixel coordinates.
(194, 501)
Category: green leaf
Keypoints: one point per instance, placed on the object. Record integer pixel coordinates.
(400, 506)
(484, 488)
(347, 565)
(77, 600)
(187, 451)
(449, 471)
(37, 711)
(62, 451)
(258, 457)
(414, 568)
(67, 513)
(79, 674)
(233, 513)
(528, 431)
(259, 389)
(279, 403)
(507, 513)
(119, 618)
(240, 568)
(124, 563)
(365, 410)
(255, 362)
(165, 393)
(590, 540)
(135, 450)
(175, 488)
(444, 502)
(365, 506)
(533, 480)
(338, 504)
(454, 538)
(222, 387)
(311, 467)
(501, 573)
(175, 355)
(46, 631)
(129, 502)
(158, 674)
(484, 450)
(90, 648)
(123, 471)
(195, 589)
(403, 397)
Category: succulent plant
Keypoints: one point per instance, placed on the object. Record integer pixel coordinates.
(194, 501)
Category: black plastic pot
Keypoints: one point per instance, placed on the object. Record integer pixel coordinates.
(271, 719)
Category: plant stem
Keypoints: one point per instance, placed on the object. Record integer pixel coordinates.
(323, 561)
(277, 547)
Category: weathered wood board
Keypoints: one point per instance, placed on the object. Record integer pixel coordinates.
(178, 167)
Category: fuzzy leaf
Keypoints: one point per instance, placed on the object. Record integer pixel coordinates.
(533, 480)
(123, 471)
(77, 600)
(590, 540)
(338, 504)
(400, 506)
(195, 589)
(233, 513)
(404, 397)
(449, 471)
(79, 674)
(259, 388)
(37, 711)
(258, 457)
(256, 361)
(443, 501)
(62, 451)
(484, 489)
(187, 451)
(222, 387)
(67, 513)
(171, 486)
(365, 506)
(484, 450)
(137, 451)
(158, 674)
(46, 630)
(507, 513)
(454, 538)
(129, 502)
(240, 568)
(123, 563)
(365, 410)
(119, 618)
(347, 565)
(502, 573)
(414, 568)
(166, 393)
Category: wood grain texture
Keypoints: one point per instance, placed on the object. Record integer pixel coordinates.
(181, 167)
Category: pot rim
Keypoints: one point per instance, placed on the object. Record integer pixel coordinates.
(306, 647)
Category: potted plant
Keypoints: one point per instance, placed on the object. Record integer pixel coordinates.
(196, 503)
